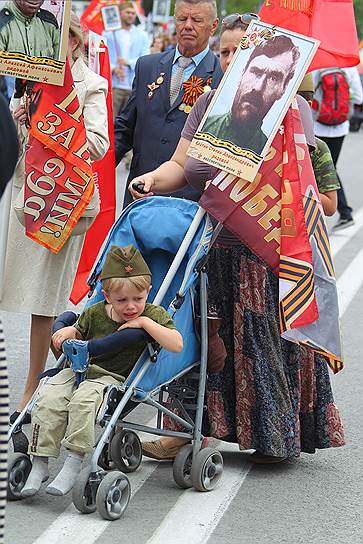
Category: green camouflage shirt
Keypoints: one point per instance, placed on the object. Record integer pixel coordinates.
(324, 169)
(222, 127)
(36, 36)
(94, 323)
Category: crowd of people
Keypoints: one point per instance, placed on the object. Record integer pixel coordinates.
(270, 395)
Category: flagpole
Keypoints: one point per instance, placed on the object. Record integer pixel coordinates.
(5, 208)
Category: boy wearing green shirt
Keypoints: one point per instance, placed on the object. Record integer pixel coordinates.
(64, 414)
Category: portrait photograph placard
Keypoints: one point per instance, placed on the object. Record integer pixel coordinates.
(251, 101)
(161, 11)
(34, 46)
(111, 17)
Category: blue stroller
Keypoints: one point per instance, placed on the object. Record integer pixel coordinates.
(174, 237)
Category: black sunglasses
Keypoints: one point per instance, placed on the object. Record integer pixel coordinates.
(245, 18)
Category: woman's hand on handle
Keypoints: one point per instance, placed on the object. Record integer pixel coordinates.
(20, 115)
(141, 186)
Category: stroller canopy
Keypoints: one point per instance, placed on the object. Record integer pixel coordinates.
(157, 227)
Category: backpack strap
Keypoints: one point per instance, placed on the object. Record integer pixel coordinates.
(5, 18)
(47, 17)
(325, 71)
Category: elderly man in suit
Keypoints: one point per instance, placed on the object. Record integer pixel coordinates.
(165, 87)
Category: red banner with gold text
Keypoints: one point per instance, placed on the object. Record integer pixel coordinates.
(58, 174)
(279, 216)
(105, 178)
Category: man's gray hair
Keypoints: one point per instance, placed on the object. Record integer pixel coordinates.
(211, 3)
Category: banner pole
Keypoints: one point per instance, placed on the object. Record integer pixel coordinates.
(5, 209)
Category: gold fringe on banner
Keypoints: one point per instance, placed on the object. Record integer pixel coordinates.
(305, 6)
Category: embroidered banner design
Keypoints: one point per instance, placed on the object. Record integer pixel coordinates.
(305, 6)
(279, 216)
(58, 174)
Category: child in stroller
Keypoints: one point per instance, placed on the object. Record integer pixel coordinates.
(66, 414)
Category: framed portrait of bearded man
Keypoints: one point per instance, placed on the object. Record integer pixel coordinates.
(34, 39)
(248, 107)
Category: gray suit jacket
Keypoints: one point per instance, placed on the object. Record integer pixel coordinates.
(150, 126)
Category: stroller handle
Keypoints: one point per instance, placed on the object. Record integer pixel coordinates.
(139, 187)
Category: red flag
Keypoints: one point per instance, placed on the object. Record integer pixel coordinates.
(91, 18)
(105, 178)
(58, 174)
(278, 215)
(330, 21)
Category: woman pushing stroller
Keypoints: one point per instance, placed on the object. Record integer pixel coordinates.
(64, 414)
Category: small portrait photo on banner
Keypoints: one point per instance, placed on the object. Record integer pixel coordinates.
(111, 17)
(34, 39)
(247, 109)
(161, 11)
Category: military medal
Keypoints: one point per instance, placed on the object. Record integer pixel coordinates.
(155, 85)
(193, 89)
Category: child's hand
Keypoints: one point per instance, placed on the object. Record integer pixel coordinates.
(137, 323)
(60, 336)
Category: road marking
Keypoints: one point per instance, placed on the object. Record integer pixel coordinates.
(71, 526)
(203, 511)
(339, 239)
(195, 515)
(350, 282)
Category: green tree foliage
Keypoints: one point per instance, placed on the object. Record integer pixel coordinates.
(239, 6)
(358, 10)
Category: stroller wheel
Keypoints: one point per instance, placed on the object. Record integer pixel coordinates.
(126, 451)
(207, 469)
(84, 492)
(19, 467)
(182, 467)
(113, 495)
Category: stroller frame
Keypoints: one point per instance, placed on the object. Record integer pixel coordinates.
(109, 492)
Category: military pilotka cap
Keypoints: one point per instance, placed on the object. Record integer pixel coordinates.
(124, 262)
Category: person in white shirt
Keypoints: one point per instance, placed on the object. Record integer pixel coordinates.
(334, 136)
(125, 46)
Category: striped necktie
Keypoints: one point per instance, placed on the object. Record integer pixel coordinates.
(177, 78)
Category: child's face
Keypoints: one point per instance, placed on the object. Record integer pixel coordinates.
(127, 302)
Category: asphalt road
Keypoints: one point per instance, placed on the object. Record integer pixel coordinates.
(315, 500)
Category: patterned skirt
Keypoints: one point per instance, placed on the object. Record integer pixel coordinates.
(272, 395)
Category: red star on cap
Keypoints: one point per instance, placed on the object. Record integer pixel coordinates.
(128, 268)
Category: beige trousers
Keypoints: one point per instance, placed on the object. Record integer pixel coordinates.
(119, 100)
(64, 415)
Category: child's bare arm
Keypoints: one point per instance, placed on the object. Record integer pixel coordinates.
(329, 201)
(66, 333)
(170, 339)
